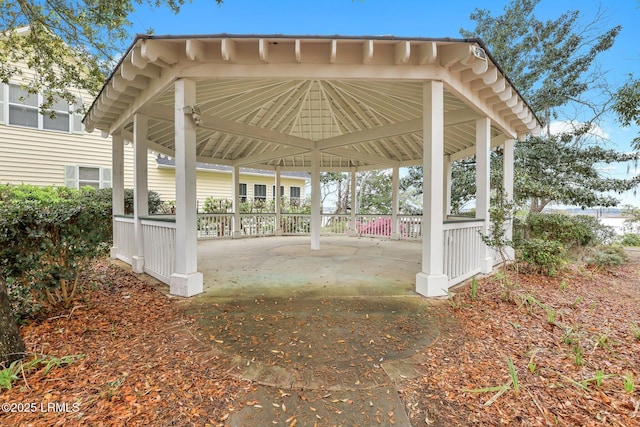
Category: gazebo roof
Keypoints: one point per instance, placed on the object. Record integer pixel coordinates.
(270, 100)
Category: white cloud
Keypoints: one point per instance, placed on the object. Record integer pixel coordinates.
(570, 125)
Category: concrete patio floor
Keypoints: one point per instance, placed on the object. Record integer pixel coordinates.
(286, 266)
(316, 329)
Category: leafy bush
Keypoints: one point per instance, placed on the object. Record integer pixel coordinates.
(578, 230)
(46, 236)
(544, 256)
(630, 239)
(153, 199)
(217, 205)
(606, 256)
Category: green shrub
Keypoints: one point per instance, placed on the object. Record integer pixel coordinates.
(154, 201)
(606, 256)
(630, 239)
(578, 230)
(217, 205)
(544, 256)
(46, 236)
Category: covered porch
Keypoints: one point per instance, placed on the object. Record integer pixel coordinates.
(308, 104)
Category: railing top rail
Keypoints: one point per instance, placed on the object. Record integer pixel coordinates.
(455, 225)
(124, 220)
(204, 214)
(158, 223)
(159, 218)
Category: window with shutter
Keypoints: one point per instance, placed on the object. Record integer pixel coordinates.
(242, 192)
(259, 192)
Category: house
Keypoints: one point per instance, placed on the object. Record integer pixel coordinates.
(40, 150)
(310, 104)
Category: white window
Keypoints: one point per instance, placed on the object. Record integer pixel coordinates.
(259, 192)
(294, 194)
(23, 110)
(60, 120)
(23, 107)
(87, 176)
(273, 191)
(242, 192)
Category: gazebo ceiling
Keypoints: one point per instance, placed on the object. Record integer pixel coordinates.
(267, 101)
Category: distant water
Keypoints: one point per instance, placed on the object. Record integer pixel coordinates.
(615, 223)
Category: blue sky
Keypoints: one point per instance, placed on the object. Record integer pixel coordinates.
(416, 18)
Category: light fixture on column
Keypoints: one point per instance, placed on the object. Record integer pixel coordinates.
(194, 110)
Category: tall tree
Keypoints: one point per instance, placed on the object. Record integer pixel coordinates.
(67, 44)
(554, 64)
(336, 186)
(627, 106)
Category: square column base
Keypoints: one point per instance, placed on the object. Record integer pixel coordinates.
(486, 265)
(432, 285)
(186, 285)
(353, 233)
(395, 236)
(277, 233)
(236, 235)
(137, 264)
(113, 252)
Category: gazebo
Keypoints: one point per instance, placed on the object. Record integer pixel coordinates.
(313, 104)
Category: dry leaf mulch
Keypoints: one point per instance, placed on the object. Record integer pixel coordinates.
(558, 332)
(139, 365)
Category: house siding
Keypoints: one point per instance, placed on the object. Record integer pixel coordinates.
(39, 157)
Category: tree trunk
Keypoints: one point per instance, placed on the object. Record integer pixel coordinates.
(11, 344)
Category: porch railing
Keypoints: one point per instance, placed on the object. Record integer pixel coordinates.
(333, 224)
(123, 238)
(410, 226)
(295, 224)
(159, 238)
(263, 224)
(213, 226)
(462, 249)
(462, 244)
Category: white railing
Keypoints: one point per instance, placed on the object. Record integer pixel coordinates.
(410, 226)
(214, 226)
(159, 248)
(123, 238)
(263, 224)
(462, 249)
(295, 224)
(336, 224)
(462, 245)
(373, 225)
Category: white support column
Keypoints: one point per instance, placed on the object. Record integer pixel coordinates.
(483, 187)
(447, 186)
(354, 203)
(117, 184)
(316, 204)
(140, 188)
(186, 280)
(235, 183)
(507, 177)
(395, 203)
(432, 281)
(278, 205)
